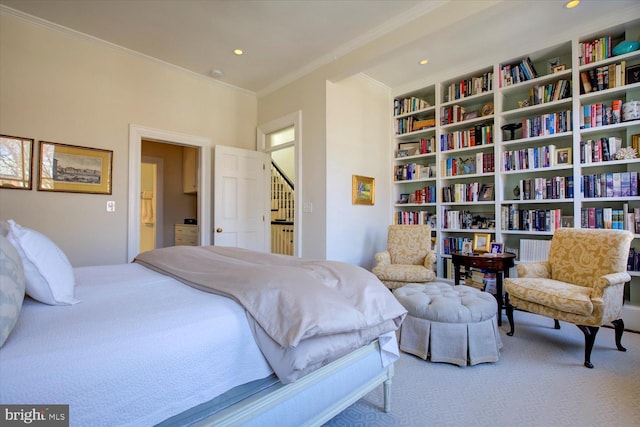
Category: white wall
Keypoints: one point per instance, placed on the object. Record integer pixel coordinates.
(60, 87)
(358, 133)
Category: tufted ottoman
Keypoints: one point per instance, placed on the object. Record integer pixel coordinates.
(450, 324)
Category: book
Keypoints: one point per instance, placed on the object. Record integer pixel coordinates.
(586, 82)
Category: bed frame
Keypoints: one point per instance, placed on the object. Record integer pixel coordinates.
(313, 399)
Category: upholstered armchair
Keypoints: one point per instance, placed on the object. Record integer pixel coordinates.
(409, 257)
(581, 283)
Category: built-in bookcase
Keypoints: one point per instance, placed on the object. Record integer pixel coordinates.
(524, 146)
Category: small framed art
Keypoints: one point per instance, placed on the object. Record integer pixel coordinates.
(486, 193)
(74, 169)
(563, 156)
(362, 190)
(16, 161)
(496, 248)
(633, 74)
(559, 68)
(481, 242)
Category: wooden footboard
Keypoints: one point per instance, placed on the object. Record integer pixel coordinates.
(315, 398)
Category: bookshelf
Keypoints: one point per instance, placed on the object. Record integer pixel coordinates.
(513, 150)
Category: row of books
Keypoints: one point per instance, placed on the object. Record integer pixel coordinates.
(611, 218)
(547, 124)
(414, 148)
(602, 78)
(453, 244)
(616, 184)
(513, 218)
(633, 261)
(550, 92)
(534, 250)
(554, 188)
(409, 105)
(518, 72)
(413, 124)
(465, 220)
(416, 217)
(422, 195)
(599, 150)
(481, 134)
(480, 279)
(469, 87)
(452, 114)
(468, 192)
(529, 158)
(601, 114)
(413, 171)
(594, 51)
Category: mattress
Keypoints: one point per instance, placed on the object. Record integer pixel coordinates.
(138, 349)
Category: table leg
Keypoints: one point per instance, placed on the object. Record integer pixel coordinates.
(499, 295)
(456, 268)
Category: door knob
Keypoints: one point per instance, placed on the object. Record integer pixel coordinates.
(218, 230)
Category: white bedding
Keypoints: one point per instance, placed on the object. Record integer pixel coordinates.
(161, 348)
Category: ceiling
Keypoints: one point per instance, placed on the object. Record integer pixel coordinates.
(285, 39)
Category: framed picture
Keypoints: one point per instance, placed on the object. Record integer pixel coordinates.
(633, 74)
(402, 153)
(486, 193)
(559, 68)
(404, 198)
(467, 248)
(563, 156)
(481, 242)
(514, 251)
(362, 190)
(74, 169)
(412, 148)
(16, 162)
(496, 248)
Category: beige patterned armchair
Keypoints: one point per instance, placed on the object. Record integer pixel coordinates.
(409, 257)
(581, 283)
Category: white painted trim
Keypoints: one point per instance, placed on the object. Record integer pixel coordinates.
(295, 120)
(136, 134)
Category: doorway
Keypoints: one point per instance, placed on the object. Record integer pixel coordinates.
(202, 199)
(281, 140)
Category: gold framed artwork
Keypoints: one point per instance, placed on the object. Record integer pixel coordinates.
(74, 169)
(481, 242)
(362, 190)
(563, 156)
(16, 162)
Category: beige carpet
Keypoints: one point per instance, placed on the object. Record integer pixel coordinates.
(539, 380)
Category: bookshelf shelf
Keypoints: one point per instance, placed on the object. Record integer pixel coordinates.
(556, 125)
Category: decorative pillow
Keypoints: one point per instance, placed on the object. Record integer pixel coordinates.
(48, 273)
(11, 288)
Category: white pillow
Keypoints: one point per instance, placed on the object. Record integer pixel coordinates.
(48, 273)
(11, 288)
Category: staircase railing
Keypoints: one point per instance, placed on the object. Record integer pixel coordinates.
(282, 212)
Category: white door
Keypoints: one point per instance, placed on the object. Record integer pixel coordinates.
(241, 199)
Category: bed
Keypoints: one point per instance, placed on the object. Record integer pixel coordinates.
(143, 348)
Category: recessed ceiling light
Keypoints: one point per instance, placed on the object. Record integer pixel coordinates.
(571, 4)
(424, 61)
(238, 52)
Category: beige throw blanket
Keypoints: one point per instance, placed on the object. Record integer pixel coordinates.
(304, 313)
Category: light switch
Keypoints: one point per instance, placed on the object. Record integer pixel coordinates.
(111, 206)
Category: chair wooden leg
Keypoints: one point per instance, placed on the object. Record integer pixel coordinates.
(509, 310)
(619, 325)
(589, 338)
(556, 324)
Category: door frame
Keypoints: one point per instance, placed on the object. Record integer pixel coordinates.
(295, 120)
(136, 134)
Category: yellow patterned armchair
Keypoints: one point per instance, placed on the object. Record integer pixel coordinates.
(409, 257)
(581, 283)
